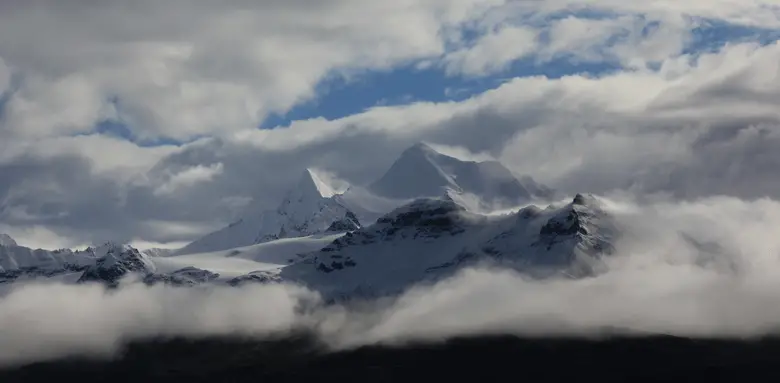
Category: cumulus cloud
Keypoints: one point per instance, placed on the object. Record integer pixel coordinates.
(701, 268)
(187, 68)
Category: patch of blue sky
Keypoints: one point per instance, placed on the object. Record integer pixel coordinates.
(338, 98)
(408, 84)
(711, 35)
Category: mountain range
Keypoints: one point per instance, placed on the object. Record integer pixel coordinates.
(423, 219)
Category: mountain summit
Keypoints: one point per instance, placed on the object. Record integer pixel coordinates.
(315, 205)
(6, 240)
(421, 171)
(309, 208)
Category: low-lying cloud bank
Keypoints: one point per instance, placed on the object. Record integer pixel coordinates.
(704, 268)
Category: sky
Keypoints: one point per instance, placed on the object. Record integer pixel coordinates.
(155, 122)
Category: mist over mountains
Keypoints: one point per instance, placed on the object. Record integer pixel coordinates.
(549, 190)
(429, 269)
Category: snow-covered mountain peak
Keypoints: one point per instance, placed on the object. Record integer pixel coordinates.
(432, 238)
(314, 184)
(312, 206)
(309, 195)
(420, 149)
(115, 262)
(6, 240)
(416, 173)
(585, 200)
(108, 248)
(421, 171)
(320, 203)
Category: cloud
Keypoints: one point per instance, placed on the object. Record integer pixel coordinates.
(492, 52)
(691, 135)
(634, 41)
(692, 124)
(176, 69)
(189, 177)
(702, 268)
(576, 134)
(84, 325)
(5, 77)
(461, 153)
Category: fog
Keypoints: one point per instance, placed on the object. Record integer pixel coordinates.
(705, 268)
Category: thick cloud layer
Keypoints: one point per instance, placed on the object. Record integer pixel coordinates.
(704, 268)
(680, 115)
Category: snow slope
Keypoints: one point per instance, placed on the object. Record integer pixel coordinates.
(309, 208)
(421, 171)
(424, 240)
(314, 206)
(432, 238)
(104, 263)
(244, 260)
(422, 220)
(6, 240)
(14, 258)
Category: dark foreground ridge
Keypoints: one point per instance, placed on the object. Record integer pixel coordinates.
(483, 359)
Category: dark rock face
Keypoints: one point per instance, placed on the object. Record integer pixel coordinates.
(116, 264)
(421, 219)
(424, 219)
(335, 262)
(11, 275)
(563, 226)
(460, 260)
(188, 276)
(260, 277)
(581, 222)
(348, 223)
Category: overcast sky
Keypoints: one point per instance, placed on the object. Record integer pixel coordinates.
(156, 121)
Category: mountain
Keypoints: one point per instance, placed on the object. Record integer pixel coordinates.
(422, 220)
(113, 262)
(6, 240)
(421, 171)
(188, 276)
(309, 208)
(158, 252)
(106, 263)
(19, 262)
(431, 238)
(424, 240)
(314, 206)
(109, 263)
